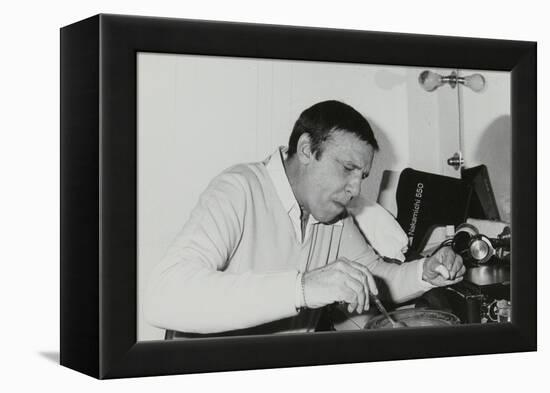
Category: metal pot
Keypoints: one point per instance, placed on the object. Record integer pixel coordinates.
(414, 317)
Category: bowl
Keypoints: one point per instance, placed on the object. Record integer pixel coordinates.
(414, 317)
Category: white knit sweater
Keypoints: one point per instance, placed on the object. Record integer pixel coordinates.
(234, 264)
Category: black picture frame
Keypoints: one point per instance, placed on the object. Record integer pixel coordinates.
(98, 195)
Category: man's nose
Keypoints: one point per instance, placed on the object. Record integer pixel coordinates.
(353, 188)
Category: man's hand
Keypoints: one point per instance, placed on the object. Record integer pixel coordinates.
(443, 268)
(340, 281)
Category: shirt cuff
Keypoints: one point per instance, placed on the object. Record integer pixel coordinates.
(298, 297)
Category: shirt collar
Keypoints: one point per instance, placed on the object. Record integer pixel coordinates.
(276, 169)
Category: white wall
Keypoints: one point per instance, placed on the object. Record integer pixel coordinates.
(488, 133)
(198, 115)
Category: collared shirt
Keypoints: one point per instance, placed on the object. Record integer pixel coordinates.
(238, 253)
(276, 169)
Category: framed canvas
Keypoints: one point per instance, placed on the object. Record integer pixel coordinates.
(152, 109)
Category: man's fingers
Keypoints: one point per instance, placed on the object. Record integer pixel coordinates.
(443, 271)
(357, 274)
(371, 284)
(359, 294)
(461, 271)
(349, 298)
(447, 257)
(370, 279)
(350, 268)
(458, 265)
(451, 282)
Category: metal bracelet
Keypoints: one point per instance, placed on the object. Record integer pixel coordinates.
(302, 284)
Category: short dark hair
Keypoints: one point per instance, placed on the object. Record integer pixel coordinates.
(323, 118)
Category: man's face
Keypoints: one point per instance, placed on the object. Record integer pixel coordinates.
(331, 182)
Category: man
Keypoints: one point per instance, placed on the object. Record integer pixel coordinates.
(270, 243)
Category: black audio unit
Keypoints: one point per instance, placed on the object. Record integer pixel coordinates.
(482, 297)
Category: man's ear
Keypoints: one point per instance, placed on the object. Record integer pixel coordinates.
(303, 149)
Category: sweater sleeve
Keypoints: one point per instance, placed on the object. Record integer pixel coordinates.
(403, 282)
(190, 291)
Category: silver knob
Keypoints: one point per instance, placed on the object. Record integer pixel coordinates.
(456, 161)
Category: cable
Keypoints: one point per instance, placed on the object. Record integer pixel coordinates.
(445, 243)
